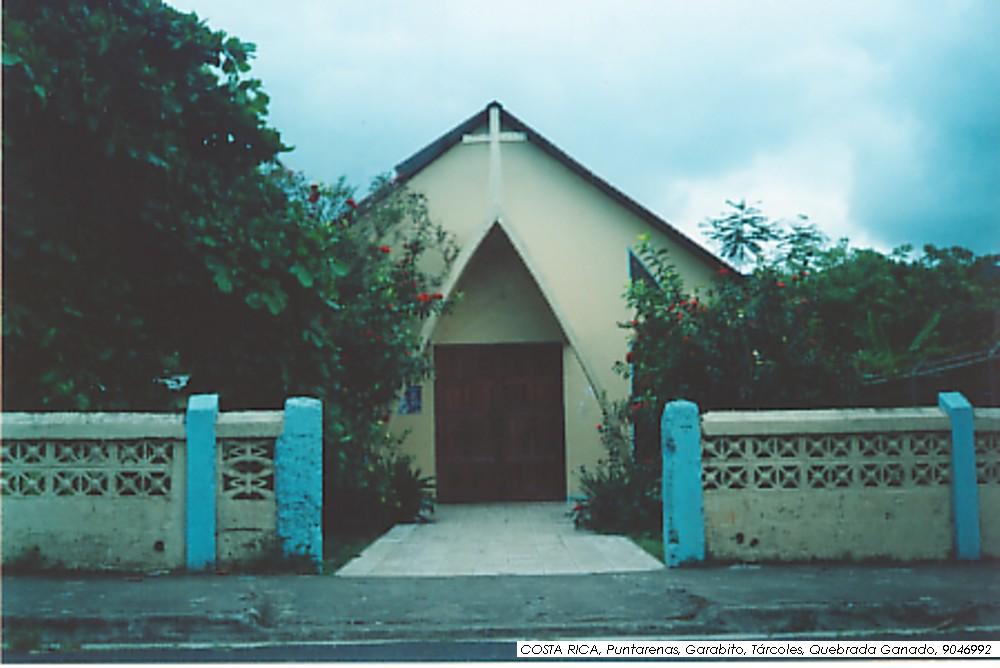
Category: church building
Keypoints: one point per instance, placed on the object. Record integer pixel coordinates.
(520, 362)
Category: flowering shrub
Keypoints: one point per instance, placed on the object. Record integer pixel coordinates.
(375, 308)
(803, 327)
(751, 341)
(806, 324)
(621, 494)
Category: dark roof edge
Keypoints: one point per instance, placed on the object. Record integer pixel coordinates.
(419, 160)
(428, 154)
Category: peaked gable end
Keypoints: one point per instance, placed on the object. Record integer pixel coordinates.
(416, 163)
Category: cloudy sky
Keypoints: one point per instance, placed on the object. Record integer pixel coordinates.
(879, 119)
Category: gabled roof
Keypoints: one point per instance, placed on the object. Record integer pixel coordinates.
(425, 156)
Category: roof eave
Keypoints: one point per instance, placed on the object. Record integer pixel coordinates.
(413, 165)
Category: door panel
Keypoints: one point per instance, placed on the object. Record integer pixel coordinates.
(499, 423)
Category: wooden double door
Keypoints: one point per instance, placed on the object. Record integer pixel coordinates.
(499, 423)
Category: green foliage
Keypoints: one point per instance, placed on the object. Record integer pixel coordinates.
(806, 325)
(742, 234)
(150, 232)
(894, 312)
(129, 129)
(376, 487)
(621, 494)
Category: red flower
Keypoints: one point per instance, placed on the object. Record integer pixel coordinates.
(600, 427)
(385, 249)
(723, 271)
(437, 296)
(423, 298)
(313, 193)
(635, 323)
(781, 284)
(629, 357)
(351, 203)
(637, 406)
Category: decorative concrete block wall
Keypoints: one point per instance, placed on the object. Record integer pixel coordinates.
(146, 491)
(850, 484)
(93, 490)
(987, 439)
(900, 484)
(246, 511)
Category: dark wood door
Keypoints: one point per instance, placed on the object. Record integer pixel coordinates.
(499, 423)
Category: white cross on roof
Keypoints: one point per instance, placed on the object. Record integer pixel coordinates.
(494, 137)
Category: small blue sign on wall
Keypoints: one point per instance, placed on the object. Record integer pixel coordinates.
(411, 403)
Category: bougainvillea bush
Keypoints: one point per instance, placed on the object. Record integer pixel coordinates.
(804, 325)
(807, 322)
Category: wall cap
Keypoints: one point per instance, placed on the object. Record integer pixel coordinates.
(250, 424)
(986, 419)
(823, 421)
(64, 425)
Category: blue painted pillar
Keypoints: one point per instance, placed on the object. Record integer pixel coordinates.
(202, 411)
(683, 502)
(298, 479)
(964, 489)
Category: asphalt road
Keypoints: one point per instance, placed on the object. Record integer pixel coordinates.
(379, 652)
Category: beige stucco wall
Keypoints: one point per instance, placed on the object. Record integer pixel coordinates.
(780, 525)
(989, 519)
(498, 301)
(574, 241)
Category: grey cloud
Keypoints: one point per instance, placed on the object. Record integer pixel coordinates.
(653, 92)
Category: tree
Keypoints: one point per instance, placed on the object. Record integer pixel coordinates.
(130, 133)
(150, 232)
(742, 234)
(807, 325)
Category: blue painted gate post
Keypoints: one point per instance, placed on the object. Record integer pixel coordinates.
(683, 503)
(199, 511)
(964, 488)
(298, 480)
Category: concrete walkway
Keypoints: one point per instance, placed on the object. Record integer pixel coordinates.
(497, 539)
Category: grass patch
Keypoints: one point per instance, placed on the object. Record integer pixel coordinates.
(650, 542)
(343, 547)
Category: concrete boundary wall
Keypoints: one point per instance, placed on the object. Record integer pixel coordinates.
(159, 491)
(986, 422)
(898, 484)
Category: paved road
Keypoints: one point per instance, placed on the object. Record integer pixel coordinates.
(74, 611)
(347, 652)
(389, 652)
